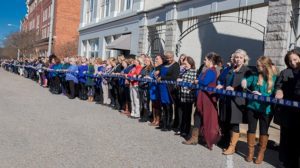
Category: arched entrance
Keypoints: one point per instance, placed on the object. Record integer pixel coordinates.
(222, 33)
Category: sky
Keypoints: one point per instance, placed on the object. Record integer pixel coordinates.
(11, 13)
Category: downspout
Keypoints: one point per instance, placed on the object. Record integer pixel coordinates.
(51, 28)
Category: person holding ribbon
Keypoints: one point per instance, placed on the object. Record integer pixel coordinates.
(124, 86)
(288, 87)
(90, 80)
(206, 116)
(71, 78)
(55, 87)
(144, 90)
(82, 70)
(232, 110)
(261, 83)
(154, 91)
(187, 96)
(169, 72)
(134, 96)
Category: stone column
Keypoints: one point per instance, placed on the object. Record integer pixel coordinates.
(277, 37)
(171, 35)
(143, 40)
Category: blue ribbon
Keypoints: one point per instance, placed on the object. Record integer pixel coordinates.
(249, 96)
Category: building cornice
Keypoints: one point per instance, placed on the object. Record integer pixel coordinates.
(30, 2)
(108, 20)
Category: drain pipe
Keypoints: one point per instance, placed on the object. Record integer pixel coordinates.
(51, 28)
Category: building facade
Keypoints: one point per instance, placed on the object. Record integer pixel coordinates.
(194, 27)
(64, 29)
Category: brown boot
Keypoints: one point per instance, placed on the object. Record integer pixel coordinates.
(263, 141)
(251, 144)
(233, 141)
(194, 139)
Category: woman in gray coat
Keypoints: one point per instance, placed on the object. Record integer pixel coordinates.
(232, 109)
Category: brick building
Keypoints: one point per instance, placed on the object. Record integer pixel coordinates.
(66, 17)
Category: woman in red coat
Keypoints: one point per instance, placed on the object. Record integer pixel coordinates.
(206, 102)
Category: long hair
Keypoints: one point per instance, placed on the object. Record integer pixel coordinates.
(149, 67)
(191, 61)
(212, 56)
(268, 72)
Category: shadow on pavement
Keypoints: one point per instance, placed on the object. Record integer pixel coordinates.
(271, 154)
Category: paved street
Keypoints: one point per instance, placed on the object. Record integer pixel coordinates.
(41, 130)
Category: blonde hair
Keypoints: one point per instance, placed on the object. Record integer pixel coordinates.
(244, 53)
(140, 60)
(267, 64)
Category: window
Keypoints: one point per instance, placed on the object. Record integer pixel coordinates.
(38, 21)
(48, 31)
(44, 33)
(45, 15)
(128, 4)
(95, 9)
(108, 40)
(84, 48)
(93, 48)
(107, 7)
(49, 12)
(90, 10)
(32, 24)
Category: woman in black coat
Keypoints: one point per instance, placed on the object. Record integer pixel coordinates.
(288, 87)
(231, 111)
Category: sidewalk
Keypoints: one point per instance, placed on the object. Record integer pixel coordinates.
(274, 132)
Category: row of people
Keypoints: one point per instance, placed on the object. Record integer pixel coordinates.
(216, 118)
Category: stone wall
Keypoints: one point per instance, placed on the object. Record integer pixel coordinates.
(171, 35)
(277, 39)
(143, 35)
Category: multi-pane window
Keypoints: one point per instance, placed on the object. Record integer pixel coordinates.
(108, 40)
(89, 10)
(107, 7)
(125, 5)
(45, 14)
(84, 48)
(93, 48)
(128, 4)
(38, 21)
(49, 11)
(32, 24)
(44, 32)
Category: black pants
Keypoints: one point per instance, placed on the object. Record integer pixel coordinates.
(289, 151)
(82, 91)
(144, 103)
(197, 119)
(185, 109)
(122, 98)
(177, 113)
(55, 85)
(167, 116)
(98, 93)
(64, 85)
(72, 88)
(253, 118)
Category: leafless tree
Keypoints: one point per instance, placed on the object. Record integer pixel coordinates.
(67, 49)
(22, 41)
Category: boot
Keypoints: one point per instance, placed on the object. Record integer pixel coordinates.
(233, 141)
(263, 141)
(194, 139)
(251, 144)
(154, 119)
